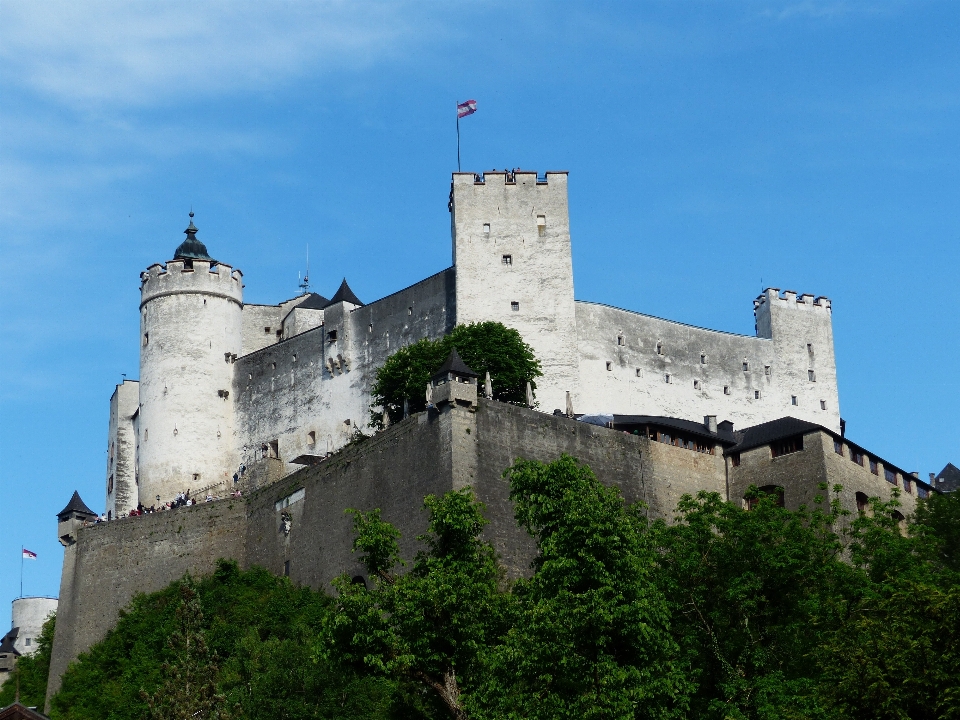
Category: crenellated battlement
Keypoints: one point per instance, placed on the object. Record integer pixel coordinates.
(191, 277)
(500, 178)
(791, 299)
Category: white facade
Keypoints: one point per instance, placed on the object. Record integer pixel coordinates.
(224, 384)
(29, 614)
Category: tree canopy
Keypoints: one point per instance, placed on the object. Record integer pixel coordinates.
(484, 347)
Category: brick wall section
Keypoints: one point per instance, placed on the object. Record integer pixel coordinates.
(112, 562)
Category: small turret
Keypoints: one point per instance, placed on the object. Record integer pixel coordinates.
(454, 383)
(71, 518)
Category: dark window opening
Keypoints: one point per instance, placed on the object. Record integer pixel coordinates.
(811, 376)
(890, 476)
(793, 400)
(746, 366)
(873, 467)
(187, 265)
(787, 446)
(863, 503)
(856, 456)
(266, 330)
(515, 306)
(735, 459)
(823, 404)
(507, 259)
(907, 485)
(286, 568)
(332, 336)
(838, 447)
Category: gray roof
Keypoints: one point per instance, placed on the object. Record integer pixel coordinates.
(6, 645)
(344, 294)
(454, 365)
(76, 505)
(768, 432)
(949, 479)
(625, 422)
(313, 302)
(191, 248)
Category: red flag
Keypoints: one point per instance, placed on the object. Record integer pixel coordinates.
(466, 108)
(29, 554)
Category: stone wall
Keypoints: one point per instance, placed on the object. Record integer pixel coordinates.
(121, 481)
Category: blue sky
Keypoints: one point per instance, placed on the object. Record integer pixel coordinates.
(711, 146)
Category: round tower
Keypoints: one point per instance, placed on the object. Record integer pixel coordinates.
(189, 337)
(29, 615)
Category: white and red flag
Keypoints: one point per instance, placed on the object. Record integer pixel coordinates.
(466, 108)
(29, 554)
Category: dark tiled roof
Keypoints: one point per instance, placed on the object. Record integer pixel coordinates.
(768, 432)
(344, 294)
(951, 479)
(313, 302)
(625, 422)
(191, 248)
(454, 365)
(76, 505)
(20, 712)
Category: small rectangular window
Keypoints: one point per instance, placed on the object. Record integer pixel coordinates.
(856, 456)
(787, 446)
(703, 359)
(621, 340)
(756, 394)
(332, 336)
(486, 228)
(312, 438)
(890, 476)
(541, 225)
(823, 404)
(666, 378)
(746, 366)
(726, 389)
(838, 447)
(515, 306)
(907, 485)
(507, 259)
(370, 328)
(659, 348)
(766, 369)
(810, 348)
(696, 384)
(410, 310)
(609, 366)
(266, 330)
(811, 376)
(146, 339)
(639, 372)
(286, 568)
(873, 467)
(793, 400)
(735, 459)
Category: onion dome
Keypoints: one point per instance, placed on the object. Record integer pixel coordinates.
(191, 248)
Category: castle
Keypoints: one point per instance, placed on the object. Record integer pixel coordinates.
(224, 384)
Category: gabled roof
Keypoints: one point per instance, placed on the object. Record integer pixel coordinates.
(20, 712)
(768, 432)
(6, 645)
(949, 479)
(76, 505)
(344, 294)
(313, 302)
(454, 365)
(623, 422)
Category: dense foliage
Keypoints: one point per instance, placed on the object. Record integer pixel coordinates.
(722, 613)
(484, 347)
(31, 671)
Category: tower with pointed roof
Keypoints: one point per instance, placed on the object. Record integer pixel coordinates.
(190, 335)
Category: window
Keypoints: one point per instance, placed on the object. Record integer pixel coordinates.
(856, 456)
(746, 366)
(922, 492)
(811, 376)
(312, 438)
(621, 340)
(273, 449)
(273, 366)
(766, 370)
(863, 503)
(28, 642)
(769, 490)
(507, 259)
(266, 330)
(726, 389)
(410, 310)
(823, 404)
(110, 485)
(838, 447)
(907, 485)
(703, 359)
(370, 328)
(146, 339)
(515, 306)
(286, 568)
(541, 225)
(666, 378)
(188, 265)
(756, 394)
(659, 348)
(793, 400)
(890, 476)
(703, 447)
(873, 467)
(810, 348)
(639, 372)
(735, 459)
(787, 446)
(609, 366)
(696, 384)
(486, 228)
(332, 336)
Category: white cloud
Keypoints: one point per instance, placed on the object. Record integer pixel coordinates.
(95, 54)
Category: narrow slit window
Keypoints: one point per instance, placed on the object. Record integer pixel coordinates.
(541, 225)
(410, 310)
(873, 467)
(146, 339)
(746, 366)
(726, 389)
(666, 378)
(659, 348)
(756, 394)
(703, 359)
(793, 400)
(370, 328)
(766, 370)
(609, 366)
(811, 376)
(696, 384)
(823, 404)
(639, 372)
(515, 306)
(621, 340)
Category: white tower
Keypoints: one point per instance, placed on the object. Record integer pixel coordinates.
(190, 335)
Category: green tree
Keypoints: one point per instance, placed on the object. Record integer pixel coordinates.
(30, 674)
(589, 636)
(429, 625)
(484, 347)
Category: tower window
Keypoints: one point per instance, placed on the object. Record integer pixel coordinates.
(696, 384)
(486, 228)
(312, 438)
(639, 372)
(370, 328)
(863, 502)
(666, 378)
(515, 306)
(266, 330)
(332, 336)
(146, 339)
(507, 259)
(811, 376)
(188, 266)
(621, 340)
(823, 404)
(659, 348)
(703, 359)
(609, 366)
(746, 366)
(541, 225)
(286, 568)
(766, 370)
(726, 389)
(756, 394)
(793, 400)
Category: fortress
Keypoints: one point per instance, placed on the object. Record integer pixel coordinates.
(224, 384)
(266, 398)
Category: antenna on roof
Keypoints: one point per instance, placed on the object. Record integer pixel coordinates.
(305, 282)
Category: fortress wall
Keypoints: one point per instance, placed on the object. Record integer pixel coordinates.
(622, 390)
(285, 391)
(253, 323)
(112, 562)
(670, 472)
(393, 471)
